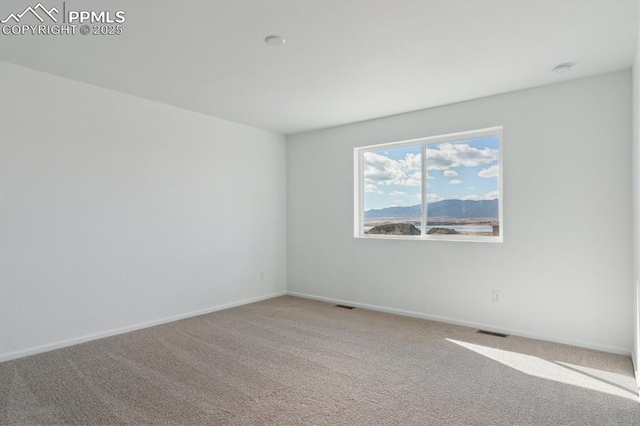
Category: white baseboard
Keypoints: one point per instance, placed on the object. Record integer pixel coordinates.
(64, 343)
(489, 327)
(636, 370)
(61, 344)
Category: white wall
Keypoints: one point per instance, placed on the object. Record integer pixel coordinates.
(565, 265)
(118, 211)
(636, 206)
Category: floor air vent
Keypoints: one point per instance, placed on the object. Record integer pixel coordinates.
(344, 307)
(491, 333)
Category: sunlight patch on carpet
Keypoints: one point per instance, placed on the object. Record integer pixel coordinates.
(588, 378)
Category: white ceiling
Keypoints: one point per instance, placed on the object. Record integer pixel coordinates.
(342, 61)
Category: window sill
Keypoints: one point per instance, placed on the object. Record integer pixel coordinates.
(457, 238)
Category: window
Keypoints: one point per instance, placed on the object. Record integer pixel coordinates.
(437, 188)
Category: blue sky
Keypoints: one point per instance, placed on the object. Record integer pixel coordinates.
(466, 170)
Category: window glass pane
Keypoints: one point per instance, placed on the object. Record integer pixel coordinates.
(393, 191)
(462, 187)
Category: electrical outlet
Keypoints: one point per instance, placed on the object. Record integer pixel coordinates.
(496, 297)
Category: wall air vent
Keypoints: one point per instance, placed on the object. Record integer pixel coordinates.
(491, 333)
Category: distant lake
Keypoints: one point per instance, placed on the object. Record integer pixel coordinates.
(465, 228)
(459, 228)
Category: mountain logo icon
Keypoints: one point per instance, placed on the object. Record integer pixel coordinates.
(34, 11)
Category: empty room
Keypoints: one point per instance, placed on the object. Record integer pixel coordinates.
(319, 212)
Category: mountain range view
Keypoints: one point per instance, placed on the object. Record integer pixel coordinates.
(445, 209)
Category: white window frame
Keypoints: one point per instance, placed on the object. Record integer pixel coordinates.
(423, 143)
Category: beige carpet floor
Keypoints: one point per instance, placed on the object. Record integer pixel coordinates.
(290, 361)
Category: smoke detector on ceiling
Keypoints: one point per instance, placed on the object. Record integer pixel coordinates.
(563, 68)
(274, 40)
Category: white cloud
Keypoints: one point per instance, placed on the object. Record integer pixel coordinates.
(398, 193)
(488, 196)
(455, 182)
(489, 172)
(449, 155)
(381, 170)
(432, 198)
(450, 173)
(413, 161)
(369, 187)
(471, 187)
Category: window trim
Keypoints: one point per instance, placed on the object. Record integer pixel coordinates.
(358, 158)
